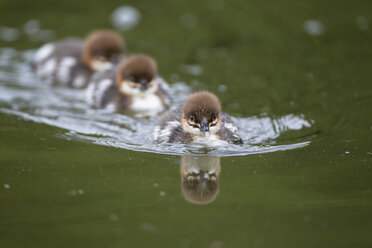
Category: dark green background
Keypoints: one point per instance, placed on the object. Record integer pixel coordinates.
(318, 196)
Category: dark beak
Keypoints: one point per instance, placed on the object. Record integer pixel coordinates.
(143, 85)
(204, 127)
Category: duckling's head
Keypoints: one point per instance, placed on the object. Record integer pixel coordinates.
(201, 114)
(102, 49)
(137, 76)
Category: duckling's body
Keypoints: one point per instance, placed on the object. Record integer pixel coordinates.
(199, 121)
(61, 63)
(133, 86)
(71, 62)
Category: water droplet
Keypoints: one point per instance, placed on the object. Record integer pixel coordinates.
(147, 226)
(162, 193)
(222, 88)
(125, 18)
(310, 76)
(307, 218)
(361, 22)
(31, 27)
(216, 244)
(188, 20)
(113, 217)
(314, 27)
(185, 242)
(6, 186)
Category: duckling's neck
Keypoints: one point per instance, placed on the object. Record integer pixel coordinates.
(147, 103)
(208, 140)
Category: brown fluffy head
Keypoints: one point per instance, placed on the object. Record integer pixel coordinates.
(137, 73)
(137, 68)
(201, 110)
(102, 45)
(202, 104)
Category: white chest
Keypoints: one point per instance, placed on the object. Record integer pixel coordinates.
(209, 140)
(147, 103)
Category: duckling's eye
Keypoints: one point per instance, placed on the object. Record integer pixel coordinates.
(192, 118)
(214, 119)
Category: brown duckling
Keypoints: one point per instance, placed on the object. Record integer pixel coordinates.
(134, 85)
(72, 61)
(199, 120)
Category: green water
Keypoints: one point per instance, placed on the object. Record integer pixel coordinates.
(56, 192)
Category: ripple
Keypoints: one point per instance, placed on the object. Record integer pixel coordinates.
(21, 95)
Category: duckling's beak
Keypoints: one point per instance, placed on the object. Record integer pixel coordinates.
(204, 127)
(143, 85)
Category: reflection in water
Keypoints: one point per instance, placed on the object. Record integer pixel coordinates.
(199, 178)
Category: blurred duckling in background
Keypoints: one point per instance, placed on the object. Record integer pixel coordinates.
(132, 86)
(71, 62)
(199, 121)
(199, 178)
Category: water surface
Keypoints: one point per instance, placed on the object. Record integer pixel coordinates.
(296, 79)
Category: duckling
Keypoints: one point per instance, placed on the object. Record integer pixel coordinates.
(71, 62)
(199, 121)
(134, 85)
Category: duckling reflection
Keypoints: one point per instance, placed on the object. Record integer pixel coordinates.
(199, 178)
